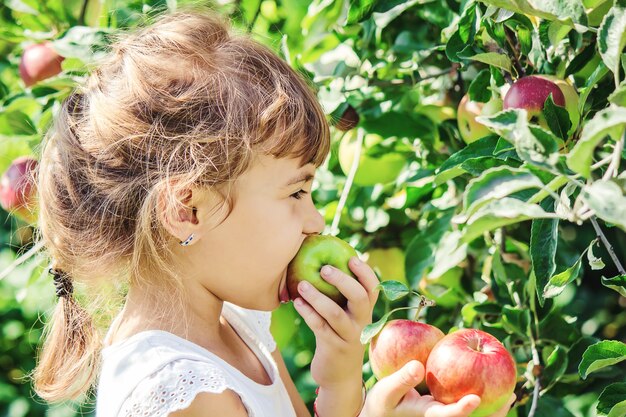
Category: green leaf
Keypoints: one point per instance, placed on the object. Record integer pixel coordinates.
(469, 23)
(607, 200)
(479, 88)
(452, 166)
(594, 262)
(555, 366)
(498, 213)
(16, 123)
(612, 401)
(496, 183)
(516, 320)
(557, 118)
(612, 37)
(532, 143)
(543, 242)
(565, 11)
(600, 355)
(605, 122)
(393, 290)
(492, 58)
(558, 282)
(617, 283)
(618, 97)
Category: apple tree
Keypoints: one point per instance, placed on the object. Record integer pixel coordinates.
(477, 164)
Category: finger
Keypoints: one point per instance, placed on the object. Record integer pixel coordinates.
(367, 277)
(358, 298)
(395, 386)
(316, 323)
(461, 408)
(335, 316)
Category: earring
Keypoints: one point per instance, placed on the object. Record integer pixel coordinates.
(187, 241)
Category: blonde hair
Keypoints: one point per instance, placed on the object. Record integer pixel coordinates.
(184, 101)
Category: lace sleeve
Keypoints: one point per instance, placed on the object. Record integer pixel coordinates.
(173, 388)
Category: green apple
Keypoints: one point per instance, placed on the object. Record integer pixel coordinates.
(372, 169)
(315, 252)
(468, 110)
(388, 263)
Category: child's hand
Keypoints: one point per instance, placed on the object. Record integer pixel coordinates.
(339, 353)
(395, 396)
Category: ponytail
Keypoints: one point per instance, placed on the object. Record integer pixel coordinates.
(69, 357)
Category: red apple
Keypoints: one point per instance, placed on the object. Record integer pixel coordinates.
(471, 361)
(530, 93)
(399, 342)
(17, 188)
(39, 61)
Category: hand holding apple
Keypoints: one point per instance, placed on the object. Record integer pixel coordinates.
(470, 361)
(394, 396)
(339, 353)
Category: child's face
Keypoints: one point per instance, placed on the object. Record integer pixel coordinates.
(244, 259)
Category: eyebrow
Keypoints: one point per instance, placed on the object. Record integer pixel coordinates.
(305, 176)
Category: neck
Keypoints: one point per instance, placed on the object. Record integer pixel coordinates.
(196, 317)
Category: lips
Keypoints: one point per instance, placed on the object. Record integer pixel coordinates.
(284, 294)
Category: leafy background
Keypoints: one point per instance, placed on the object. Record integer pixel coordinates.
(508, 234)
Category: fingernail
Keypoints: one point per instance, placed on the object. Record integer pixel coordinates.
(304, 286)
(327, 270)
(356, 261)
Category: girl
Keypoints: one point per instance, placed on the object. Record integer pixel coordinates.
(183, 167)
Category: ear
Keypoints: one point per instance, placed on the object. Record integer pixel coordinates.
(188, 210)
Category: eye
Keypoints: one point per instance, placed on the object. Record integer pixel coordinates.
(298, 194)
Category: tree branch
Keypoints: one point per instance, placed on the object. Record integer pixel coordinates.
(607, 245)
(533, 405)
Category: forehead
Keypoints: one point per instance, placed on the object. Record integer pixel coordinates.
(269, 172)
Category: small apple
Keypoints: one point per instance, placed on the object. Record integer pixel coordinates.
(348, 120)
(315, 252)
(468, 110)
(470, 361)
(530, 93)
(388, 263)
(39, 61)
(399, 342)
(372, 169)
(571, 100)
(18, 189)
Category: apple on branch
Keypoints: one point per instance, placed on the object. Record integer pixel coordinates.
(530, 93)
(38, 62)
(399, 342)
(372, 169)
(315, 252)
(470, 361)
(18, 190)
(471, 130)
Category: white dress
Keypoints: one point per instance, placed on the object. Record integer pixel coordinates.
(154, 373)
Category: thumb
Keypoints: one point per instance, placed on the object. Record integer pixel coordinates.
(397, 385)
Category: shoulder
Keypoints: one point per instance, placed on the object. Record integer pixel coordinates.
(205, 404)
(178, 385)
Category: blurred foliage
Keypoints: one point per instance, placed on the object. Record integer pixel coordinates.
(503, 233)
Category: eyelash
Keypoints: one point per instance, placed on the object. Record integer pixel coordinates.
(298, 194)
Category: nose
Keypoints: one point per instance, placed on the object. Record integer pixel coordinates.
(314, 223)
